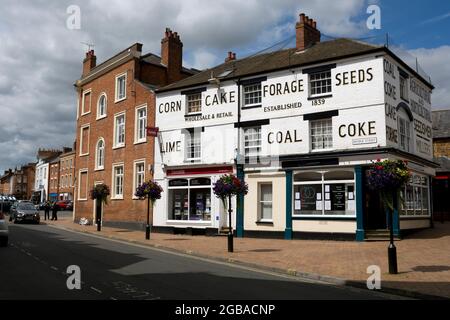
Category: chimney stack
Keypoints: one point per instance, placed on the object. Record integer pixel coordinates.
(306, 32)
(172, 55)
(231, 56)
(89, 62)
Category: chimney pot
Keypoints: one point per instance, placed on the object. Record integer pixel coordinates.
(307, 33)
(314, 24)
(302, 18)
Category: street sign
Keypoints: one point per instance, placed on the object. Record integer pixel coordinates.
(152, 131)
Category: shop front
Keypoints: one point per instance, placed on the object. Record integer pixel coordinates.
(189, 201)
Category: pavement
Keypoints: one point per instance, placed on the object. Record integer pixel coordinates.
(35, 264)
(423, 258)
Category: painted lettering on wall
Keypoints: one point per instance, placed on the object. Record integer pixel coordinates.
(278, 89)
(173, 146)
(283, 137)
(419, 109)
(203, 117)
(389, 69)
(167, 107)
(423, 147)
(420, 90)
(287, 106)
(391, 111)
(390, 90)
(360, 129)
(220, 98)
(392, 134)
(422, 128)
(354, 77)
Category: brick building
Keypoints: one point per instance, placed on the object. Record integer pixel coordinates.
(53, 179)
(116, 104)
(66, 175)
(441, 183)
(18, 182)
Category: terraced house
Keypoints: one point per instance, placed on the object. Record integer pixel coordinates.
(115, 106)
(301, 125)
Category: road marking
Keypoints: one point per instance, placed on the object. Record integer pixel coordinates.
(96, 290)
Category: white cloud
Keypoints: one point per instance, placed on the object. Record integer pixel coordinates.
(435, 63)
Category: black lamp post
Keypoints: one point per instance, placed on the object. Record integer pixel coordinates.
(230, 227)
(148, 226)
(392, 250)
(98, 214)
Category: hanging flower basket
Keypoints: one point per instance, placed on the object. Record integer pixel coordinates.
(229, 185)
(388, 177)
(100, 192)
(149, 189)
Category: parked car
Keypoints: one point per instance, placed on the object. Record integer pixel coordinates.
(4, 233)
(41, 206)
(65, 205)
(24, 212)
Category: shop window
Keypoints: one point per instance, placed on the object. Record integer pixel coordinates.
(414, 198)
(330, 193)
(265, 202)
(190, 199)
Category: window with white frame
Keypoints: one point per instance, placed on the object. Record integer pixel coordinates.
(265, 202)
(329, 193)
(404, 129)
(321, 132)
(403, 87)
(83, 185)
(86, 102)
(415, 195)
(252, 142)
(119, 130)
(118, 181)
(84, 140)
(193, 146)
(320, 83)
(100, 155)
(141, 125)
(101, 106)
(194, 103)
(252, 95)
(121, 87)
(139, 174)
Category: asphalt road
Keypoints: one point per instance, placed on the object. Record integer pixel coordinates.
(35, 263)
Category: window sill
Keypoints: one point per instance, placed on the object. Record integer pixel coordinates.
(82, 199)
(140, 142)
(84, 154)
(99, 169)
(101, 117)
(120, 100)
(193, 161)
(117, 198)
(264, 223)
(118, 147)
(86, 113)
(325, 96)
(251, 107)
(192, 114)
(322, 150)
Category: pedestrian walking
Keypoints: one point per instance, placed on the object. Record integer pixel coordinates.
(47, 210)
(54, 211)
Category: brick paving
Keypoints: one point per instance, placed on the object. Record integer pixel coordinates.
(423, 258)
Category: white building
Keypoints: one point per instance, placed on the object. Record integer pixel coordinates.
(301, 126)
(41, 185)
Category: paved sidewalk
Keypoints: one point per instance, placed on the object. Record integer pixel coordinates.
(423, 259)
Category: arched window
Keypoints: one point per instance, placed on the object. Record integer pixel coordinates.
(100, 154)
(101, 106)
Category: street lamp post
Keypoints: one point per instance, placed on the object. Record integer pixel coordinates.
(148, 227)
(392, 250)
(98, 214)
(230, 227)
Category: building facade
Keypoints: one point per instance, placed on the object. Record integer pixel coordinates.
(116, 105)
(53, 179)
(41, 181)
(66, 176)
(301, 126)
(441, 183)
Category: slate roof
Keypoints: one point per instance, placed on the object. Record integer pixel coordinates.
(441, 124)
(285, 59)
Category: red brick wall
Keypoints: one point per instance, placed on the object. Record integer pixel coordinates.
(127, 209)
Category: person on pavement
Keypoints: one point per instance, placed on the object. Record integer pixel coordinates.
(54, 211)
(47, 210)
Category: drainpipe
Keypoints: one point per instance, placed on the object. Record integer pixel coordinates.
(239, 171)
